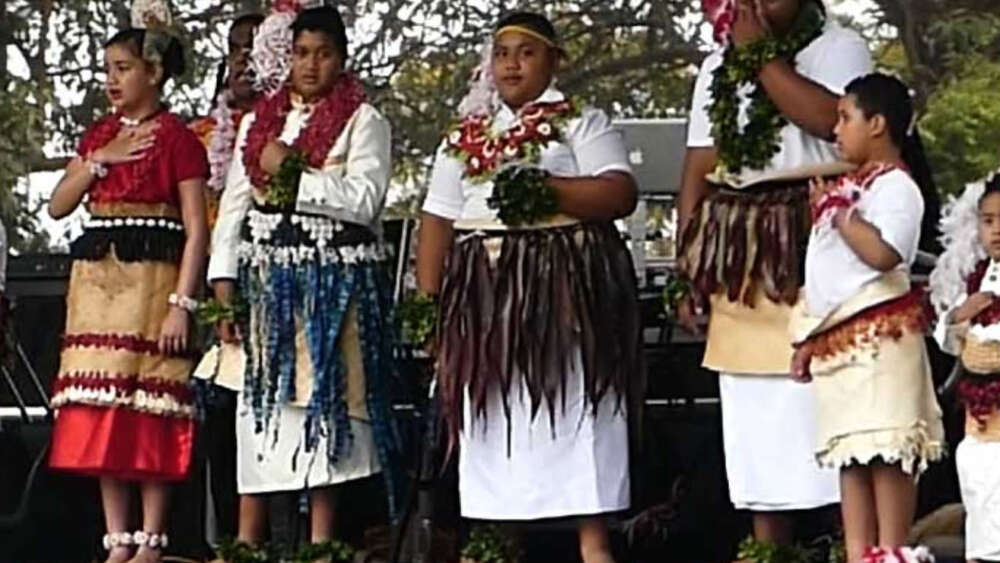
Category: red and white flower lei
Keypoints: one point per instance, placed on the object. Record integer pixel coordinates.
(483, 151)
(845, 195)
(329, 117)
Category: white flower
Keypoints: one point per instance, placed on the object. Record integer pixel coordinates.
(545, 129)
(510, 150)
(474, 162)
(455, 137)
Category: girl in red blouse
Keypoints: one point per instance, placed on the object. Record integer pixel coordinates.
(125, 409)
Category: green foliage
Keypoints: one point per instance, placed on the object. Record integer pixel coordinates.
(767, 552)
(488, 544)
(239, 552)
(961, 124)
(21, 121)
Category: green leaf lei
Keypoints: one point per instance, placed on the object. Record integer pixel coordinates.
(284, 186)
(755, 145)
(212, 311)
(676, 290)
(417, 315)
(522, 195)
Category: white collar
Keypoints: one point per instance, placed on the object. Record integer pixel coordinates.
(503, 112)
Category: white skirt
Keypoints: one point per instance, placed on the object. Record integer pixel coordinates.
(263, 466)
(978, 465)
(580, 470)
(769, 435)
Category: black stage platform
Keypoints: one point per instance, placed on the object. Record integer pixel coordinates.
(680, 470)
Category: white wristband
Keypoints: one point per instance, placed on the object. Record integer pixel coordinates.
(98, 169)
(184, 302)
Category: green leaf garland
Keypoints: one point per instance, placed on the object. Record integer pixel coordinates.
(754, 145)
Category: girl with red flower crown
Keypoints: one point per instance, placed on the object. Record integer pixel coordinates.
(297, 242)
(125, 411)
(538, 349)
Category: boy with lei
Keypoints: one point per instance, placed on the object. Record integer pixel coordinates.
(859, 328)
(125, 410)
(764, 105)
(964, 289)
(297, 238)
(538, 349)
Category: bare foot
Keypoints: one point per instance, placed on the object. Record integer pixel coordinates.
(119, 554)
(597, 556)
(147, 555)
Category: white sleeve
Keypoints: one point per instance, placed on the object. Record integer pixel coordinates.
(846, 58)
(951, 337)
(896, 209)
(353, 191)
(236, 199)
(597, 145)
(699, 123)
(444, 191)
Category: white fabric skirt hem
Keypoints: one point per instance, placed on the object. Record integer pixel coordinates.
(769, 437)
(568, 512)
(263, 466)
(579, 466)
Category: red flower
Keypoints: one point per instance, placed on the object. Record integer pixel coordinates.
(484, 153)
(721, 14)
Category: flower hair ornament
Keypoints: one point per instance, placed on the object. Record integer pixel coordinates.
(154, 17)
(721, 14)
(271, 55)
(482, 86)
(959, 227)
(220, 148)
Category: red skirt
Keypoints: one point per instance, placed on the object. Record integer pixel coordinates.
(121, 443)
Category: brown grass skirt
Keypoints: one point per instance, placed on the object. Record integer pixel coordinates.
(739, 242)
(519, 304)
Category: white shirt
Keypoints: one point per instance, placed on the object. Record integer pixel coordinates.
(832, 60)
(350, 187)
(834, 273)
(590, 146)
